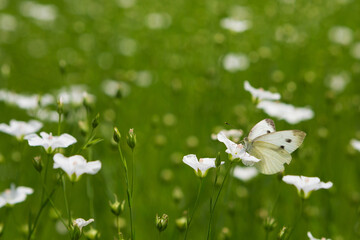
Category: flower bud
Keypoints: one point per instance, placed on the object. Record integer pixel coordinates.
(117, 135)
(37, 163)
(181, 224)
(225, 233)
(218, 160)
(161, 222)
(95, 121)
(117, 207)
(60, 106)
(84, 129)
(62, 66)
(92, 234)
(1, 229)
(283, 234)
(131, 139)
(270, 224)
(177, 194)
(87, 101)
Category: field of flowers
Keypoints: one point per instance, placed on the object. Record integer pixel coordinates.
(137, 119)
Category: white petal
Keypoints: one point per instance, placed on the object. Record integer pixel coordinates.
(245, 173)
(192, 161)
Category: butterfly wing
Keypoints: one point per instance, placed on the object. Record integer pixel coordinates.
(272, 158)
(288, 140)
(261, 128)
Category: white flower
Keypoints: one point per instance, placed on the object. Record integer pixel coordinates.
(158, 20)
(235, 25)
(75, 95)
(355, 144)
(114, 88)
(287, 112)
(245, 173)
(261, 94)
(80, 222)
(38, 11)
(50, 142)
(341, 35)
(233, 62)
(14, 195)
(200, 166)
(19, 128)
(306, 185)
(75, 166)
(312, 238)
(237, 151)
(233, 134)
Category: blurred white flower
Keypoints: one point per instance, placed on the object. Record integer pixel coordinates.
(45, 115)
(143, 79)
(76, 165)
(127, 46)
(341, 35)
(75, 95)
(245, 173)
(19, 128)
(237, 151)
(233, 62)
(50, 142)
(260, 94)
(286, 112)
(305, 185)
(235, 25)
(200, 166)
(355, 144)
(8, 22)
(126, 3)
(313, 238)
(338, 82)
(158, 20)
(355, 50)
(38, 11)
(14, 195)
(114, 88)
(80, 222)
(233, 134)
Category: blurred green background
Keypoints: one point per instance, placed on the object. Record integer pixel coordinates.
(172, 57)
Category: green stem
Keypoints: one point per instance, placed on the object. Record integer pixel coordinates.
(298, 218)
(66, 200)
(211, 201)
(127, 191)
(194, 210)
(59, 124)
(132, 174)
(212, 208)
(118, 226)
(267, 235)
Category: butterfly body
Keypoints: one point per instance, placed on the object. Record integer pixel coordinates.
(272, 147)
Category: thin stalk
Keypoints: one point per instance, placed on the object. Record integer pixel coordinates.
(118, 226)
(133, 172)
(298, 218)
(59, 124)
(132, 236)
(194, 210)
(66, 200)
(212, 207)
(43, 205)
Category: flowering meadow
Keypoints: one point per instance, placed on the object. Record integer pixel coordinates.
(135, 119)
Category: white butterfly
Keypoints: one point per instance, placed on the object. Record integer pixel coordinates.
(272, 148)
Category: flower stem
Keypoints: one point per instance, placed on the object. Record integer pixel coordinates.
(193, 212)
(298, 218)
(212, 207)
(132, 174)
(66, 200)
(129, 196)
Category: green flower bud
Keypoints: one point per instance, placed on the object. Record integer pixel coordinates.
(1, 229)
(225, 233)
(37, 163)
(62, 66)
(270, 224)
(92, 234)
(117, 135)
(60, 106)
(283, 234)
(218, 160)
(117, 207)
(95, 121)
(177, 194)
(161, 222)
(181, 224)
(84, 128)
(131, 139)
